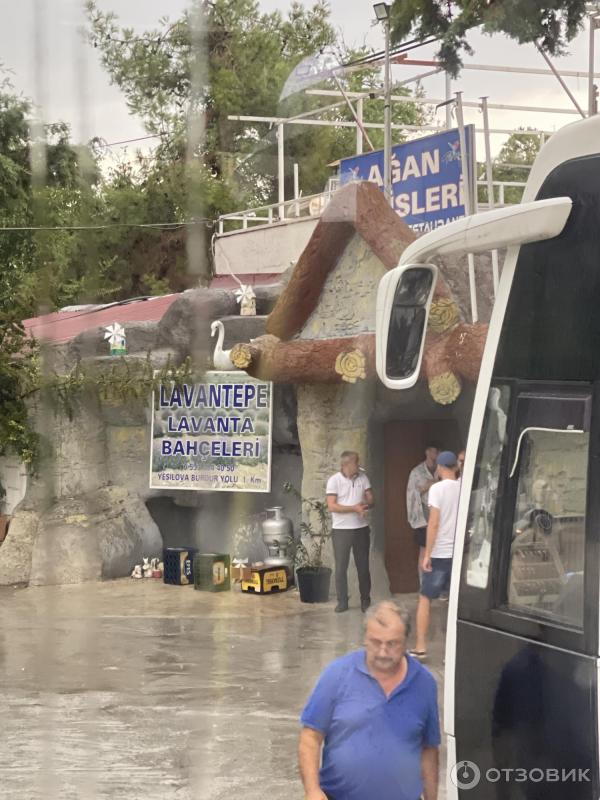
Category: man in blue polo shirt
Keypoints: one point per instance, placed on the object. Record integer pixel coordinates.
(374, 716)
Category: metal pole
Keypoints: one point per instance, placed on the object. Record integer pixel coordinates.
(468, 189)
(466, 173)
(297, 188)
(448, 97)
(591, 87)
(358, 121)
(490, 183)
(387, 119)
(280, 172)
(560, 80)
(359, 130)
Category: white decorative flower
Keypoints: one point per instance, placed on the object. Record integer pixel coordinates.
(245, 294)
(115, 334)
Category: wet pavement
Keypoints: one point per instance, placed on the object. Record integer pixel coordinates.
(133, 689)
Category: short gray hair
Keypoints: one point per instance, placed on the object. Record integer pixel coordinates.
(374, 612)
(348, 454)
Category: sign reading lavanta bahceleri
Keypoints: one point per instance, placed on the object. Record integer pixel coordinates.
(213, 435)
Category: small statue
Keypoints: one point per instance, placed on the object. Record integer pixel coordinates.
(156, 572)
(247, 300)
(137, 571)
(147, 568)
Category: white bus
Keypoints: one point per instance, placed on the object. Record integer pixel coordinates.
(522, 690)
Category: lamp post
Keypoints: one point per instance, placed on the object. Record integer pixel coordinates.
(382, 14)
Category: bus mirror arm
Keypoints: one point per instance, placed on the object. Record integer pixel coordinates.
(492, 230)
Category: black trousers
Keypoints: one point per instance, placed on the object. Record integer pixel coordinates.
(358, 540)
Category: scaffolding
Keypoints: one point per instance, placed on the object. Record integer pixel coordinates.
(494, 191)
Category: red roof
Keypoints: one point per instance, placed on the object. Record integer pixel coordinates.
(62, 326)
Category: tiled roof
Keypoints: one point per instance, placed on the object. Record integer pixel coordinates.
(62, 326)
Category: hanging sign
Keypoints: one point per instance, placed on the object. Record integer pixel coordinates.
(214, 435)
(428, 186)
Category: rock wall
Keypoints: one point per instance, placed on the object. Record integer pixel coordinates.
(89, 514)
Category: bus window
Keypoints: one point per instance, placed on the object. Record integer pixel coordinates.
(545, 575)
(482, 508)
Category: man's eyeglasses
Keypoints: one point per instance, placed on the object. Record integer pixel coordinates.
(377, 644)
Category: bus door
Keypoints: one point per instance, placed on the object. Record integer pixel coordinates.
(526, 680)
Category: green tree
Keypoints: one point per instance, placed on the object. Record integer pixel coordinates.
(550, 23)
(241, 62)
(516, 154)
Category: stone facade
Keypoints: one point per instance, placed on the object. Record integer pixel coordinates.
(347, 303)
(89, 513)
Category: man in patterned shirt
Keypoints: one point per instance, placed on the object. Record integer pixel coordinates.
(420, 480)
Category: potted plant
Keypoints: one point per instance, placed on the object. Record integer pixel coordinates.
(313, 578)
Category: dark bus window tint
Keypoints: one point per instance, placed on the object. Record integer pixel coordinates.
(548, 537)
(484, 494)
(407, 322)
(414, 287)
(404, 340)
(551, 330)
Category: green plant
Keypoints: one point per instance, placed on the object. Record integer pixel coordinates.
(308, 552)
(551, 24)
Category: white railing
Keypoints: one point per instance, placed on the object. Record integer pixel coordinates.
(500, 195)
(313, 206)
(309, 206)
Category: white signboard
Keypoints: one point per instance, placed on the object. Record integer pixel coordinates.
(214, 435)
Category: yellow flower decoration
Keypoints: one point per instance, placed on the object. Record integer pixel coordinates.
(443, 314)
(240, 356)
(351, 365)
(444, 388)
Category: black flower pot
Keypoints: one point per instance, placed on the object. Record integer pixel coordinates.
(313, 584)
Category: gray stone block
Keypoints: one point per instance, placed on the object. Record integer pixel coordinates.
(241, 329)
(16, 550)
(93, 537)
(185, 326)
(140, 338)
(267, 296)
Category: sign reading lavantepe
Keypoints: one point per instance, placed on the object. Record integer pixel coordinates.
(427, 177)
(214, 435)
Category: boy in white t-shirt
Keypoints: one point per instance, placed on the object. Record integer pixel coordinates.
(349, 497)
(441, 530)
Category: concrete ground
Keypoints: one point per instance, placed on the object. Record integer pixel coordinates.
(133, 689)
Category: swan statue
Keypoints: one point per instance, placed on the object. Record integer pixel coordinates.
(221, 358)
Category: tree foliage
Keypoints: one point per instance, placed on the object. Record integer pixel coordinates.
(224, 58)
(80, 234)
(550, 23)
(516, 154)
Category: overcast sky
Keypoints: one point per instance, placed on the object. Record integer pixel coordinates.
(63, 74)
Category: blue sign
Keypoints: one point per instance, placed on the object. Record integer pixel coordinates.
(427, 177)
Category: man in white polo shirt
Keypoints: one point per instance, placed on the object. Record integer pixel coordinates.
(439, 548)
(349, 497)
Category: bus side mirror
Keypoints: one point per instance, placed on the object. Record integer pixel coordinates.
(403, 302)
